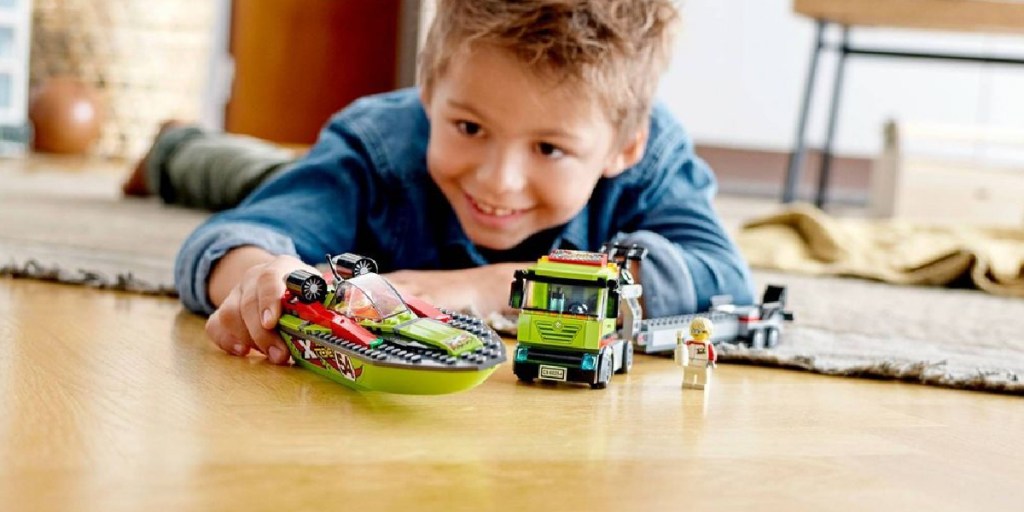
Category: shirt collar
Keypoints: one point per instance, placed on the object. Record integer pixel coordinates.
(460, 249)
(574, 235)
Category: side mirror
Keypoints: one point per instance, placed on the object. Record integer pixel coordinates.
(612, 310)
(515, 296)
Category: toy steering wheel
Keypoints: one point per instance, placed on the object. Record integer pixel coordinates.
(578, 308)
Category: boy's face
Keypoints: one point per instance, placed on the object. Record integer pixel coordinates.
(513, 153)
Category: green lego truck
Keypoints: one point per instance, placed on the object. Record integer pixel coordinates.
(569, 305)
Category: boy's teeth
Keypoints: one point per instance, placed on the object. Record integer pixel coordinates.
(490, 210)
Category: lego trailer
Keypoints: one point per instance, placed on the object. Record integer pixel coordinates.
(756, 326)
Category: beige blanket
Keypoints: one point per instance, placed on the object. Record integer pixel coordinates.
(805, 239)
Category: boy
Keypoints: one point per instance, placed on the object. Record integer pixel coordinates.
(532, 129)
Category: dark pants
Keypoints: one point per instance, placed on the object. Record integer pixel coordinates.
(195, 168)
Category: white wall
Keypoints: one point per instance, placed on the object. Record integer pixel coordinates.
(740, 65)
(221, 70)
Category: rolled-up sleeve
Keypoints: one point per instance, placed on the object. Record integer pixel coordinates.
(312, 208)
(206, 247)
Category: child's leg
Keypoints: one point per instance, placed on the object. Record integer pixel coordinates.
(191, 167)
(137, 183)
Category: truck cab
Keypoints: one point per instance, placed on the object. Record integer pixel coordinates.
(569, 303)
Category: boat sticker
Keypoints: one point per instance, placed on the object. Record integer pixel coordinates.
(345, 367)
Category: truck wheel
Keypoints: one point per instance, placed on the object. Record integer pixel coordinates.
(627, 357)
(523, 374)
(757, 339)
(604, 370)
(773, 337)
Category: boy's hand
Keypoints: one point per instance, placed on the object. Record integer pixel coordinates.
(482, 289)
(247, 316)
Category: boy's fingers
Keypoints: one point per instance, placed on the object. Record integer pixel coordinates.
(270, 311)
(269, 302)
(267, 340)
(229, 338)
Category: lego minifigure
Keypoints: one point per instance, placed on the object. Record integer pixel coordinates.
(696, 355)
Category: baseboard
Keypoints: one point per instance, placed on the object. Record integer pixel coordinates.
(762, 174)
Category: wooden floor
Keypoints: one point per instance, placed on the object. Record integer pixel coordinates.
(115, 402)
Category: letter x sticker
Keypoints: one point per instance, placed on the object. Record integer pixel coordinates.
(307, 351)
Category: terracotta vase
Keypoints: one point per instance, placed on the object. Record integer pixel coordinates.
(66, 115)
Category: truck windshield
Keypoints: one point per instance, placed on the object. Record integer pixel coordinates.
(573, 299)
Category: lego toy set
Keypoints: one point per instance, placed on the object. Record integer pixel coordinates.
(570, 303)
(360, 332)
(580, 321)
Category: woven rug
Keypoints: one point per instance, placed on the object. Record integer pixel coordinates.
(76, 228)
(956, 338)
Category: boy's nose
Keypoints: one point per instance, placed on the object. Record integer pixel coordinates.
(504, 171)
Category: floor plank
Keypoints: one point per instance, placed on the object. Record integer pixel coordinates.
(113, 401)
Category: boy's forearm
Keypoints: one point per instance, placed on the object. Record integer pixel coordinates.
(680, 280)
(228, 272)
(203, 252)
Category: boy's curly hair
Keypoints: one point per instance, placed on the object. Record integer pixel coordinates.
(613, 50)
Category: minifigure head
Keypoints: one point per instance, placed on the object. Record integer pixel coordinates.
(532, 102)
(701, 329)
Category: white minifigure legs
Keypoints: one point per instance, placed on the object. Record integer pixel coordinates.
(695, 377)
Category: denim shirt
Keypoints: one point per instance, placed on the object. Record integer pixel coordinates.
(364, 188)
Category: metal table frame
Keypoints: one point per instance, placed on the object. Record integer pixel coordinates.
(845, 49)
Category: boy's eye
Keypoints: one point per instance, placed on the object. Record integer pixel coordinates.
(467, 127)
(550, 150)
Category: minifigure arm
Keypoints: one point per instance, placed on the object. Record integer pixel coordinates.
(682, 355)
(712, 356)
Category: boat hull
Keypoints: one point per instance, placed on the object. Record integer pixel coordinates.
(396, 364)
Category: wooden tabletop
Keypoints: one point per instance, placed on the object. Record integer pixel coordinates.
(113, 402)
(953, 15)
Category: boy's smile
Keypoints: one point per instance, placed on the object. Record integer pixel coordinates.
(515, 153)
(494, 216)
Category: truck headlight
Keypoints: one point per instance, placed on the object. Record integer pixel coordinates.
(589, 362)
(521, 353)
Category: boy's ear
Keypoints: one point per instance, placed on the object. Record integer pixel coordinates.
(629, 155)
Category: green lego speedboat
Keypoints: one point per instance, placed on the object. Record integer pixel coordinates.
(362, 333)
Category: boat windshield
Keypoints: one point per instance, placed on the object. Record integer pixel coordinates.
(368, 297)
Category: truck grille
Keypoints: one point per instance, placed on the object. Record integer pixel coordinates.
(556, 332)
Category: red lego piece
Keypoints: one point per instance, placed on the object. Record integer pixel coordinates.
(341, 326)
(423, 309)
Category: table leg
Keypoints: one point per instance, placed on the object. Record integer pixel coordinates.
(796, 158)
(833, 117)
